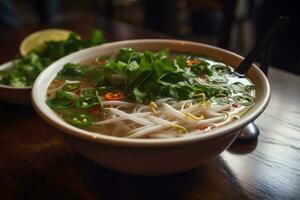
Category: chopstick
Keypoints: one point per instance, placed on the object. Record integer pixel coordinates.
(273, 32)
(265, 59)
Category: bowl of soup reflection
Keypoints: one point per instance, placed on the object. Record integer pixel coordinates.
(149, 155)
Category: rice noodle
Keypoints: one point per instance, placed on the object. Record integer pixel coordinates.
(116, 119)
(145, 131)
(165, 134)
(163, 122)
(163, 100)
(170, 110)
(206, 122)
(143, 108)
(220, 108)
(121, 126)
(169, 119)
(130, 117)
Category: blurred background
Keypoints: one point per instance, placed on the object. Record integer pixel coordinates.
(236, 25)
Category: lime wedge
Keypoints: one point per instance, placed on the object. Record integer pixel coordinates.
(36, 41)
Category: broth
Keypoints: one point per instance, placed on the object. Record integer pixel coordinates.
(150, 94)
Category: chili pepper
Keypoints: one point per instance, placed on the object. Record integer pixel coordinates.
(78, 92)
(88, 92)
(95, 110)
(86, 102)
(190, 63)
(236, 105)
(110, 96)
(79, 120)
(62, 100)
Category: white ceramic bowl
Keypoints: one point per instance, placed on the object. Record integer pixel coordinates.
(150, 156)
(16, 95)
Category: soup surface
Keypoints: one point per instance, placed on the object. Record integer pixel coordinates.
(150, 94)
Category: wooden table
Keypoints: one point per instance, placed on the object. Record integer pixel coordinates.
(36, 163)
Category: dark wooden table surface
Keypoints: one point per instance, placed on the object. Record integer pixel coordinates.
(36, 163)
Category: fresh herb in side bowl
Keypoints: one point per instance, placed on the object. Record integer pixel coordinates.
(27, 68)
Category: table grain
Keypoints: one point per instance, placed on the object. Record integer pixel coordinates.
(36, 163)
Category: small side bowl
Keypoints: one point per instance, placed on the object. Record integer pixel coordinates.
(150, 156)
(16, 95)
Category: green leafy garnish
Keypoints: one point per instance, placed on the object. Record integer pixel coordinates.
(138, 95)
(249, 88)
(61, 100)
(99, 99)
(220, 69)
(240, 87)
(71, 70)
(28, 67)
(218, 79)
(244, 100)
(221, 100)
(148, 76)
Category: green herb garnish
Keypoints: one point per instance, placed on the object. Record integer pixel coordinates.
(61, 100)
(148, 76)
(28, 67)
(244, 100)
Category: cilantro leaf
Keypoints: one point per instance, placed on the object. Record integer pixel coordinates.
(139, 95)
(71, 69)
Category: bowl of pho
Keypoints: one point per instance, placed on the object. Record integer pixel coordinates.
(150, 106)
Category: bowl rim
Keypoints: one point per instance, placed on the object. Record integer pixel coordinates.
(43, 110)
(6, 66)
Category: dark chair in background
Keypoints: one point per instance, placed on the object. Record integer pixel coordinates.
(285, 52)
(204, 16)
(8, 14)
(161, 15)
(44, 9)
(209, 10)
